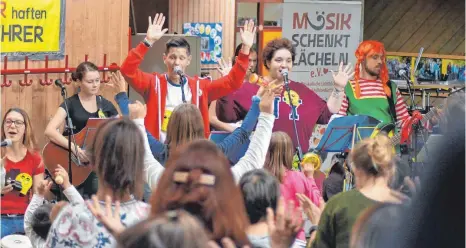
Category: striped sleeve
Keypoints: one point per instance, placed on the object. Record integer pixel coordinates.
(401, 109)
(344, 106)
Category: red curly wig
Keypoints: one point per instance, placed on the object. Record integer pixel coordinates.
(365, 49)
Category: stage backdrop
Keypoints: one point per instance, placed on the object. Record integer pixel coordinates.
(324, 33)
(32, 28)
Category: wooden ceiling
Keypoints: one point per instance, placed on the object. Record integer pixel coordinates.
(408, 25)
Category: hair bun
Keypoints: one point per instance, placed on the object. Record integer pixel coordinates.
(380, 149)
(74, 76)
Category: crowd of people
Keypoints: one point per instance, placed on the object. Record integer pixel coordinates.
(158, 181)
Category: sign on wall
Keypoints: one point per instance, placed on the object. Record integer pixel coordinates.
(324, 33)
(211, 39)
(32, 28)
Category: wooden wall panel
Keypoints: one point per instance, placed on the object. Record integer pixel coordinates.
(93, 28)
(408, 25)
(223, 11)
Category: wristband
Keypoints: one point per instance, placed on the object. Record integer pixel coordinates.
(146, 43)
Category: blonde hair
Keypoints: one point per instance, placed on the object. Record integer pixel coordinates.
(374, 156)
(279, 156)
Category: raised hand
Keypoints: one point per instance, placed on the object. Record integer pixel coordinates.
(224, 67)
(274, 86)
(137, 110)
(341, 78)
(110, 219)
(154, 30)
(64, 174)
(248, 34)
(117, 82)
(312, 211)
(308, 169)
(287, 224)
(44, 187)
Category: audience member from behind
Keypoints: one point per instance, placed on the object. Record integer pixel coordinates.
(261, 190)
(39, 216)
(198, 179)
(279, 162)
(175, 228)
(442, 193)
(372, 161)
(117, 154)
(374, 224)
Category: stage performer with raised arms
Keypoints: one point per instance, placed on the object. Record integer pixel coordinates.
(163, 92)
(310, 109)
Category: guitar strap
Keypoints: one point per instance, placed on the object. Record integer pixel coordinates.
(391, 102)
(99, 106)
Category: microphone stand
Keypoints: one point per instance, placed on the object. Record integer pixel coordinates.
(69, 129)
(293, 116)
(417, 128)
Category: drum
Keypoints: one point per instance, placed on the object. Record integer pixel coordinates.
(16, 241)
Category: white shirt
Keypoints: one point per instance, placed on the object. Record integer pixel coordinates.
(174, 98)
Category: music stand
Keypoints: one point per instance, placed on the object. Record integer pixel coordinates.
(339, 135)
(342, 134)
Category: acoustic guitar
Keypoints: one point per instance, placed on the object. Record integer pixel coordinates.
(54, 154)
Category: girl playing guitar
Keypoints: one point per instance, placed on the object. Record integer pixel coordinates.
(82, 106)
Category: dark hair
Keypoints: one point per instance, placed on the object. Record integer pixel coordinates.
(171, 229)
(275, 45)
(117, 154)
(238, 49)
(177, 42)
(219, 206)
(41, 220)
(81, 70)
(260, 191)
(375, 224)
(29, 140)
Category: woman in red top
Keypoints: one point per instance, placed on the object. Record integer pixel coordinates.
(23, 167)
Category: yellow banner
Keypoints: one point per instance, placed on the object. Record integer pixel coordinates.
(30, 25)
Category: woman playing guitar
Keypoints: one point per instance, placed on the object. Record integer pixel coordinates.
(82, 106)
(23, 167)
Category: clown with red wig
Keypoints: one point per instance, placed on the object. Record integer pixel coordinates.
(371, 92)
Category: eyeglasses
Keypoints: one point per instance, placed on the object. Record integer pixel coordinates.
(17, 123)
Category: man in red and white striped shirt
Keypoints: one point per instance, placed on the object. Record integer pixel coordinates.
(371, 93)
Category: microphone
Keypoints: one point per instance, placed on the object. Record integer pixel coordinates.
(402, 73)
(59, 83)
(178, 71)
(284, 73)
(6, 142)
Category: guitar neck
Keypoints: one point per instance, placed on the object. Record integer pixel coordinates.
(396, 139)
(427, 117)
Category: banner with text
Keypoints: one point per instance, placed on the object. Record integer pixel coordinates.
(32, 28)
(324, 33)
